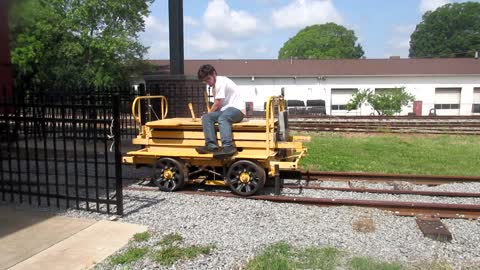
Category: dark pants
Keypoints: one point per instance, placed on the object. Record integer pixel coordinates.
(224, 119)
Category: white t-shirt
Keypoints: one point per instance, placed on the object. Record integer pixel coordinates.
(227, 90)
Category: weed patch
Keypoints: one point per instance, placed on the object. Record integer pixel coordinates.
(131, 255)
(171, 254)
(141, 237)
(170, 239)
(363, 263)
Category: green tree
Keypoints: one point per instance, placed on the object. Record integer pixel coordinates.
(385, 102)
(452, 30)
(325, 41)
(76, 42)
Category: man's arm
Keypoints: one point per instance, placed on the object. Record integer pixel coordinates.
(217, 104)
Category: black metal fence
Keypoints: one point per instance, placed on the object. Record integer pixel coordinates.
(63, 148)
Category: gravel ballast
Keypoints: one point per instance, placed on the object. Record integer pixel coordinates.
(241, 228)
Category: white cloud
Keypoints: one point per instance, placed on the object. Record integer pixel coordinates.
(159, 50)
(156, 38)
(205, 42)
(399, 43)
(152, 24)
(261, 49)
(221, 20)
(190, 21)
(430, 5)
(301, 13)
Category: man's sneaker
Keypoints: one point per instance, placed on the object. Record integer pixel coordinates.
(226, 151)
(206, 149)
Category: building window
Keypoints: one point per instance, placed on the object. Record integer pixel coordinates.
(476, 108)
(476, 100)
(447, 106)
(342, 107)
(383, 90)
(447, 98)
(341, 97)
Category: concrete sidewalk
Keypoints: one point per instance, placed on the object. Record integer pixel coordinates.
(33, 240)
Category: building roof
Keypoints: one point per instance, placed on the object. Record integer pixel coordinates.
(338, 67)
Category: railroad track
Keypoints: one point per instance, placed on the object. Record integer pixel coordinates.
(440, 210)
(402, 208)
(438, 125)
(384, 177)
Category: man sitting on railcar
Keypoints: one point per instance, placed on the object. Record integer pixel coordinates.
(228, 108)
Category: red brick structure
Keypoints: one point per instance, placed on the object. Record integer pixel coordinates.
(6, 81)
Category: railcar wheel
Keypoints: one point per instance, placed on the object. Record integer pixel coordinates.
(170, 174)
(245, 177)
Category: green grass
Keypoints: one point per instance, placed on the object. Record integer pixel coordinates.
(363, 263)
(437, 265)
(317, 258)
(282, 256)
(132, 254)
(141, 237)
(274, 257)
(170, 239)
(171, 254)
(410, 154)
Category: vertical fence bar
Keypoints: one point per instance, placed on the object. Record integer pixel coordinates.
(65, 157)
(8, 139)
(17, 148)
(118, 153)
(27, 153)
(95, 160)
(55, 159)
(35, 146)
(75, 159)
(85, 158)
(3, 93)
(107, 174)
(45, 147)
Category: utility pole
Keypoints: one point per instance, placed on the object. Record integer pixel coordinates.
(5, 64)
(175, 18)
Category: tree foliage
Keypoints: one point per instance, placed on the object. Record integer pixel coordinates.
(326, 41)
(76, 42)
(452, 30)
(386, 102)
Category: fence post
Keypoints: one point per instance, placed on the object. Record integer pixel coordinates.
(118, 153)
(143, 115)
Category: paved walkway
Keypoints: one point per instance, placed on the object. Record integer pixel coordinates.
(33, 240)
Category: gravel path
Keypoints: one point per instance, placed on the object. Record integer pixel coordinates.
(241, 228)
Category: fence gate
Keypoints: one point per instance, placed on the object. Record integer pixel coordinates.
(62, 150)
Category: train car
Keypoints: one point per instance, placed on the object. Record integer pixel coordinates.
(264, 149)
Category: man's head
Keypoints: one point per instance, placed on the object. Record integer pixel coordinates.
(207, 74)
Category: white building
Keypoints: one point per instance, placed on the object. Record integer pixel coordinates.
(451, 85)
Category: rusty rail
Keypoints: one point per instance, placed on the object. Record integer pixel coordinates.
(390, 191)
(441, 210)
(385, 177)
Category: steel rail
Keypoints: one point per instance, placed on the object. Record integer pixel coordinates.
(441, 210)
(390, 191)
(384, 177)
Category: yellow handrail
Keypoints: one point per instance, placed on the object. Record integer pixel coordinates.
(207, 101)
(163, 106)
(272, 101)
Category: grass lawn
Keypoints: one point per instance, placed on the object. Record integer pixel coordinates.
(390, 153)
(282, 256)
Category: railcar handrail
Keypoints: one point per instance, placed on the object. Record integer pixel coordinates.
(163, 106)
(272, 101)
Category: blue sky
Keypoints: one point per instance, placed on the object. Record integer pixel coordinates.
(257, 29)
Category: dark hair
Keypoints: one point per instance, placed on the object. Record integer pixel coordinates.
(206, 70)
